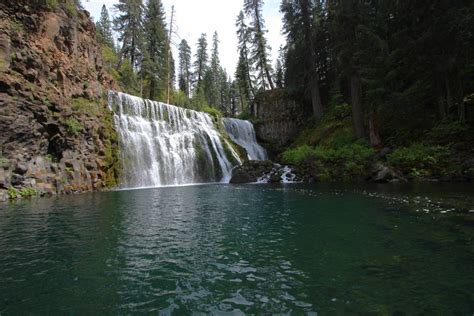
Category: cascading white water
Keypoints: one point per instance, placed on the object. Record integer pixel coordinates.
(163, 144)
(242, 133)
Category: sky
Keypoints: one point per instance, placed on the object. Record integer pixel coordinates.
(206, 16)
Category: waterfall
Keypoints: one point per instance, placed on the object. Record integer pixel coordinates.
(163, 144)
(242, 133)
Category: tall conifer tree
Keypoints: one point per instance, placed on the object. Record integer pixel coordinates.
(156, 51)
(129, 25)
(104, 29)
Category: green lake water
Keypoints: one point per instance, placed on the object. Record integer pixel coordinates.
(253, 249)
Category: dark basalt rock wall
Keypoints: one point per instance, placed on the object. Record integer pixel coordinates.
(56, 132)
(279, 119)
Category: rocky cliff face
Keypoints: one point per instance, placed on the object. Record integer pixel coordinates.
(279, 119)
(56, 133)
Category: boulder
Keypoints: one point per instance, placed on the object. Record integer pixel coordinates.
(382, 174)
(3, 195)
(240, 175)
(262, 171)
(17, 179)
(4, 179)
(20, 169)
(251, 171)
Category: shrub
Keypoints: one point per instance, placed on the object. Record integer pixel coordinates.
(215, 113)
(71, 7)
(4, 162)
(332, 163)
(299, 155)
(84, 106)
(73, 126)
(245, 116)
(420, 159)
(51, 4)
(179, 98)
(24, 193)
(356, 153)
(341, 111)
(448, 132)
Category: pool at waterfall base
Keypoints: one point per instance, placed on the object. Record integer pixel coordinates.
(314, 249)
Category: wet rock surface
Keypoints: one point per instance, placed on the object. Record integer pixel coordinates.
(264, 172)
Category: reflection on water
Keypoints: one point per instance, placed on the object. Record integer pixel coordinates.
(230, 250)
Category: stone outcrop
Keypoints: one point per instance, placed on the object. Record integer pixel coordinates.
(278, 119)
(56, 132)
(264, 172)
(382, 173)
(250, 171)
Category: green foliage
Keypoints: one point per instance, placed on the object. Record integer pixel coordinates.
(245, 115)
(420, 160)
(448, 132)
(179, 98)
(104, 29)
(70, 7)
(128, 23)
(4, 162)
(330, 131)
(215, 113)
(184, 76)
(51, 158)
(85, 107)
(341, 111)
(198, 102)
(24, 193)
(128, 78)
(51, 4)
(355, 153)
(156, 57)
(73, 126)
(17, 27)
(299, 155)
(200, 63)
(111, 61)
(113, 163)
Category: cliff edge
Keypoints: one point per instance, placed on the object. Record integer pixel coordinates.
(56, 132)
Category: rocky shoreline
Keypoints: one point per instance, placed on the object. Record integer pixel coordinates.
(270, 172)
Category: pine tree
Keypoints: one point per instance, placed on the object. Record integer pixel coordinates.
(200, 63)
(104, 29)
(156, 51)
(214, 79)
(129, 25)
(244, 68)
(279, 69)
(253, 8)
(302, 55)
(184, 77)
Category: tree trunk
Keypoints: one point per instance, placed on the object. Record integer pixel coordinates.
(269, 77)
(442, 108)
(357, 116)
(375, 139)
(442, 112)
(152, 89)
(316, 99)
(314, 77)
